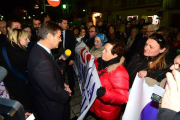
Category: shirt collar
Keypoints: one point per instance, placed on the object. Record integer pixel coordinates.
(47, 49)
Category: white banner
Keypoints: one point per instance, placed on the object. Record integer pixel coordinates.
(140, 101)
(87, 77)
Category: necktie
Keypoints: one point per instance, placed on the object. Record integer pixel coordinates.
(63, 41)
(51, 55)
(37, 33)
(62, 35)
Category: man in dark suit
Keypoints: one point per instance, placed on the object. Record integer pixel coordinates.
(68, 42)
(50, 92)
(36, 22)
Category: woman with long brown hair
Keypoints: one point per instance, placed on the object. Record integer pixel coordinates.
(153, 62)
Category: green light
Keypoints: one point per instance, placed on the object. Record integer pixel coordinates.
(64, 6)
(84, 10)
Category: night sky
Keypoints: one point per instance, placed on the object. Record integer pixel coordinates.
(11, 6)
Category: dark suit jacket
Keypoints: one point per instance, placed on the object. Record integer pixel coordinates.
(34, 37)
(47, 84)
(70, 43)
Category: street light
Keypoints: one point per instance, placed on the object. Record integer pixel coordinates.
(84, 10)
(64, 6)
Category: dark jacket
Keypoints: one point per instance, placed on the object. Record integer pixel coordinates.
(115, 36)
(47, 84)
(90, 42)
(2, 40)
(140, 62)
(17, 88)
(167, 114)
(34, 36)
(70, 44)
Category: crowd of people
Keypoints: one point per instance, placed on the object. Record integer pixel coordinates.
(30, 53)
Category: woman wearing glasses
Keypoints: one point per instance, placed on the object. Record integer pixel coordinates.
(153, 62)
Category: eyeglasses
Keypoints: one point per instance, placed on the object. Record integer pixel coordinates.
(176, 65)
(92, 31)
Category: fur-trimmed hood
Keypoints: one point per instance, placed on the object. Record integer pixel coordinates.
(114, 66)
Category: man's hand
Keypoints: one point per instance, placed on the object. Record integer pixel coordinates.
(27, 114)
(61, 71)
(62, 58)
(71, 62)
(142, 74)
(171, 97)
(66, 87)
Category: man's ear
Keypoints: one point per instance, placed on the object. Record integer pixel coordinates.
(59, 24)
(49, 36)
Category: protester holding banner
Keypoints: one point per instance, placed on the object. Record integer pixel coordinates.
(153, 62)
(114, 79)
(99, 41)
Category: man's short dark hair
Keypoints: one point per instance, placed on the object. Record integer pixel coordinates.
(48, 27)
(37, 17)
(60, 20)
(45, 15)
(96, 28)
(9, 22)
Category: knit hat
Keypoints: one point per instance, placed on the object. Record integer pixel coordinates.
(102, 37)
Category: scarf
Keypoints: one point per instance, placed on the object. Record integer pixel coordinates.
(103, 64)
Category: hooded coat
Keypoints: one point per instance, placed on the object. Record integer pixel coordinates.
(115, 80)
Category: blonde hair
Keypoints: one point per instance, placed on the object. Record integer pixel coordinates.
(15, 35)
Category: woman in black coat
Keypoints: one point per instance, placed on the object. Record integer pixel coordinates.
(19, 89)
(153, 62)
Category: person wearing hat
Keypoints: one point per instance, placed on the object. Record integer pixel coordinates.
(101, 26)
(99, 42)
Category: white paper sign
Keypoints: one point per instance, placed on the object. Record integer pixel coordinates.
(139, 97)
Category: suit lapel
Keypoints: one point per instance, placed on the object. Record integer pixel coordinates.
(49, 56)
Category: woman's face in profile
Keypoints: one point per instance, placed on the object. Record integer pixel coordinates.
(24, 41)
(76, 31)
(111, 30)
(106, 53)
(97, 42)
(133, 32)
(82, 33)
(152, 48)
(128, 25)
(28, 30)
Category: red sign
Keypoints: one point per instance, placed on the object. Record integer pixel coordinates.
(54, 3)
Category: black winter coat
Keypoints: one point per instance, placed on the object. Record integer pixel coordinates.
(18, 89)
(140, 62)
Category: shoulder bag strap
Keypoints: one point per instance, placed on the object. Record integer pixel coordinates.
(12, 69)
